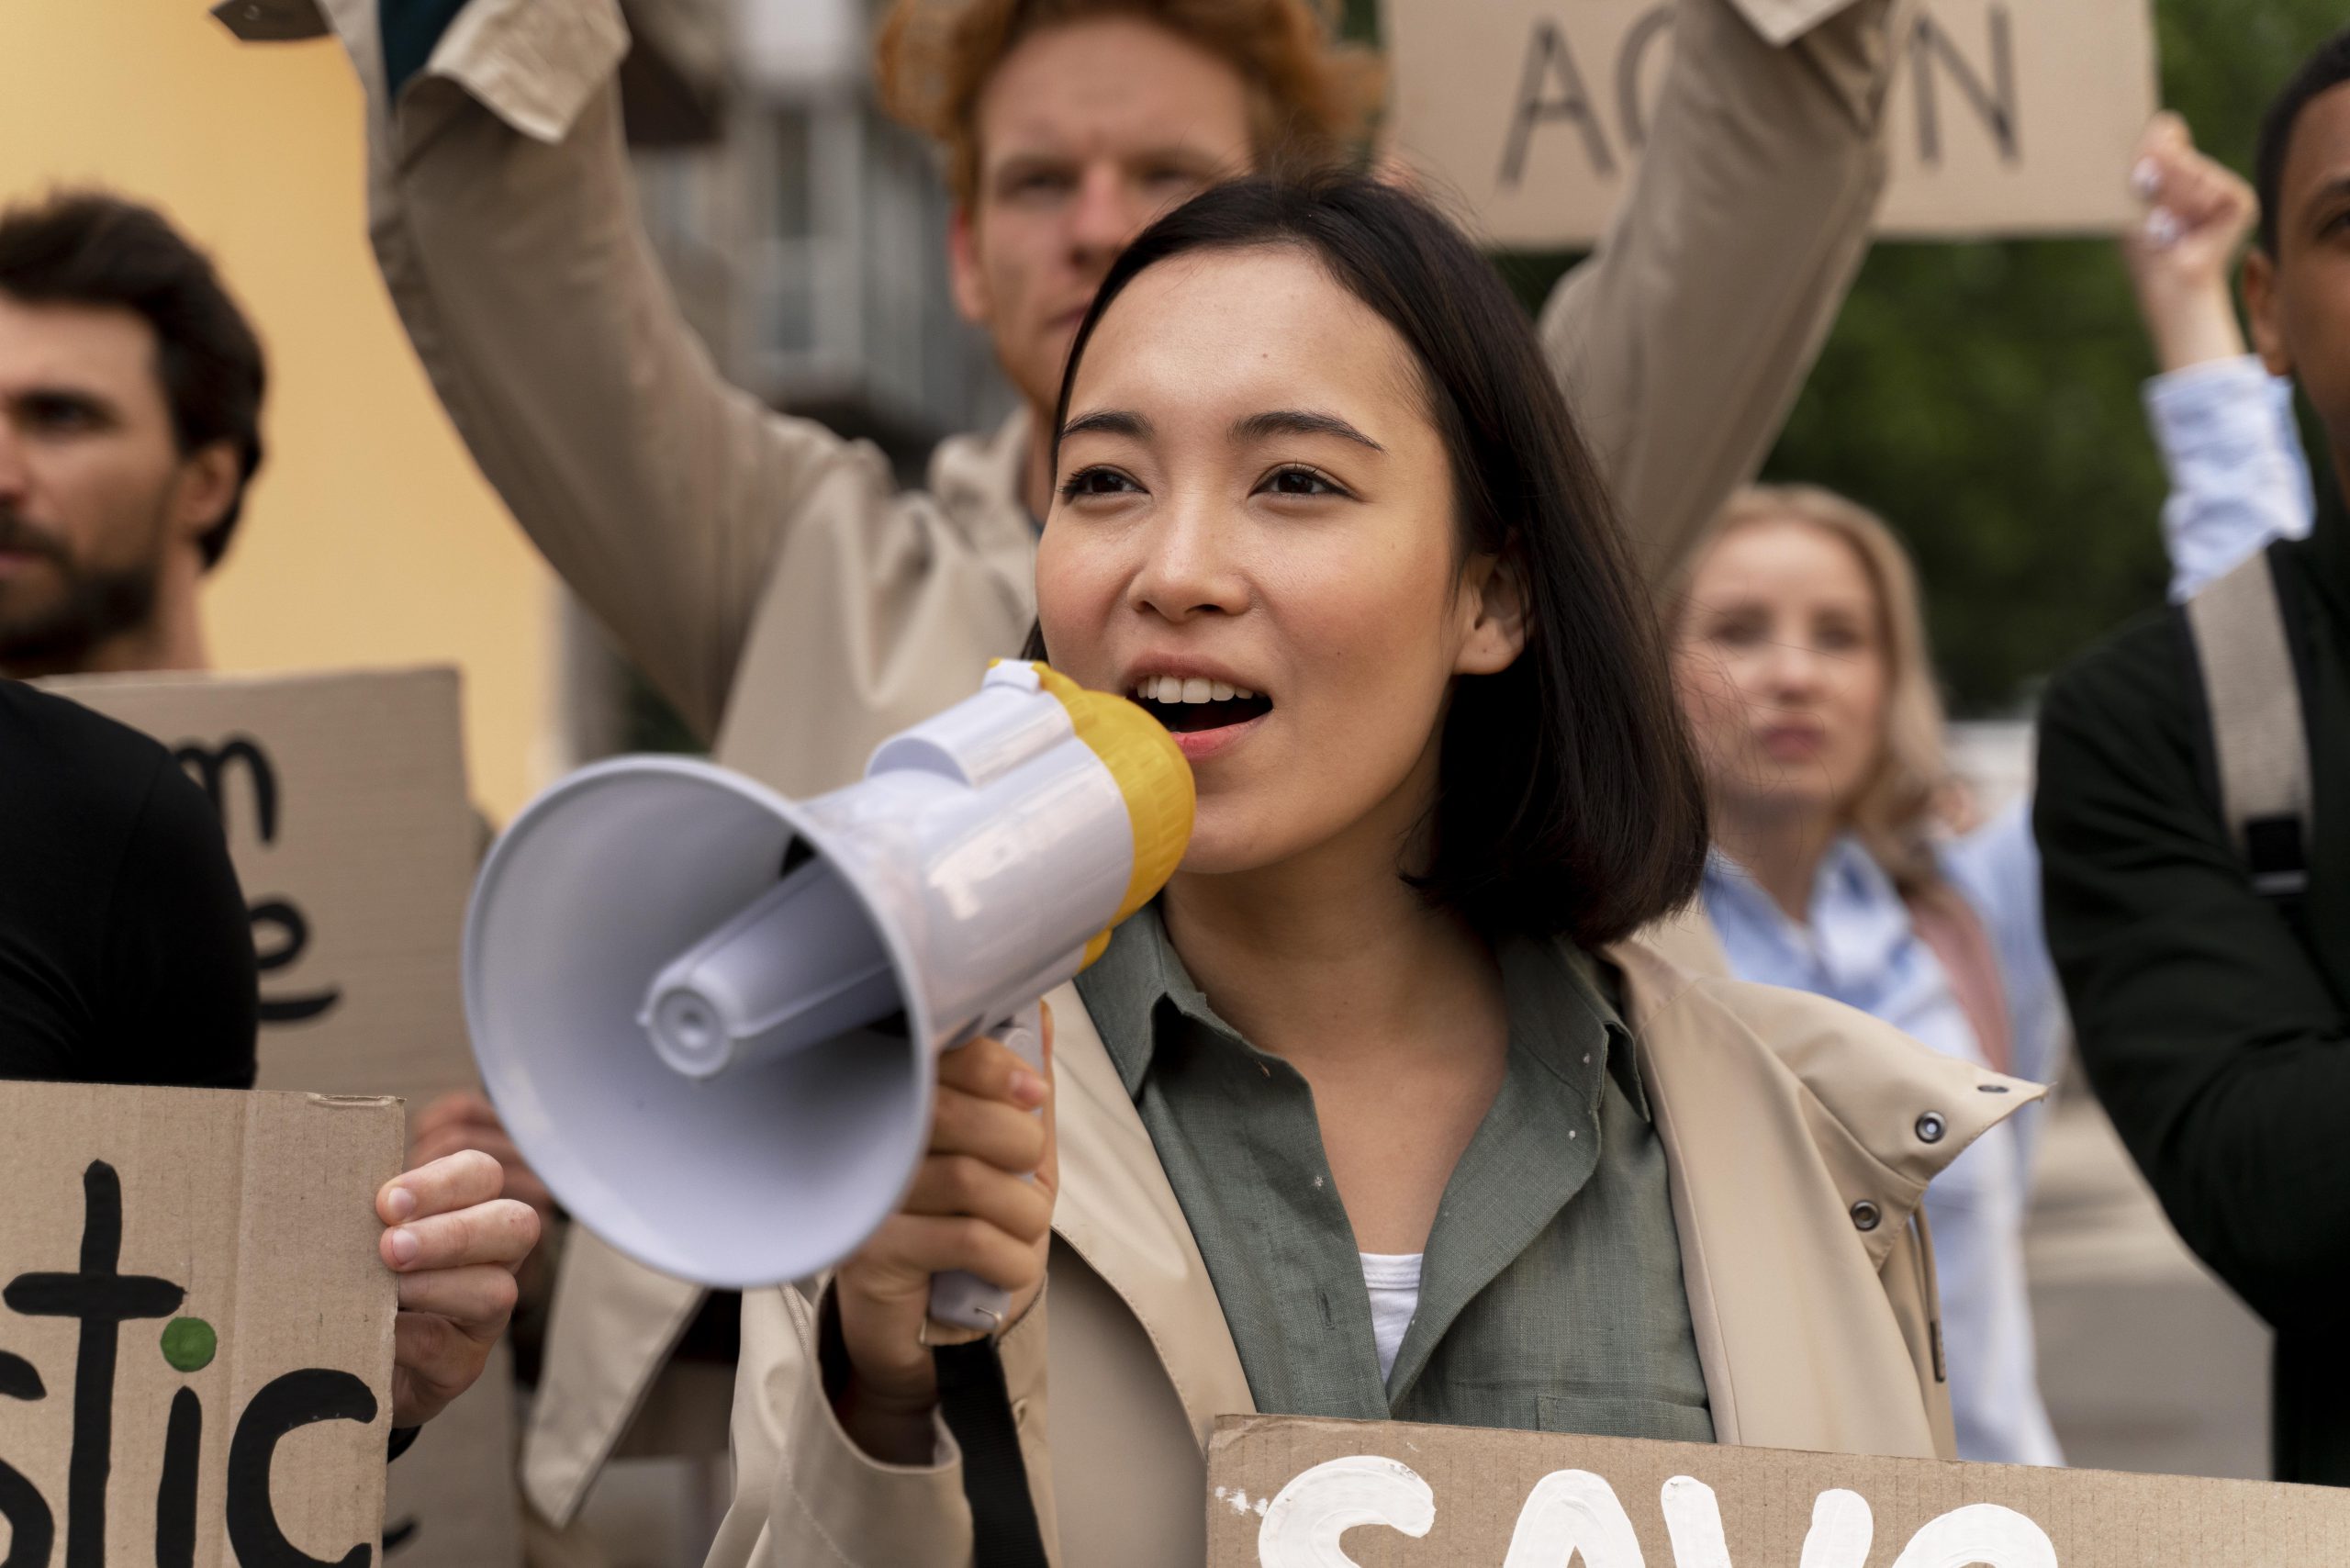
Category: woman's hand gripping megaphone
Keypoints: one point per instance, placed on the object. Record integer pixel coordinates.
(981, 1204)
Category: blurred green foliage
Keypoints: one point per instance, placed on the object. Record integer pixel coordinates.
(1985, 397)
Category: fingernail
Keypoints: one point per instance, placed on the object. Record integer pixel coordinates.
(405, 1246)
(2146, 178)
(1027, 1088)
(402, 1202)
(2161, 229)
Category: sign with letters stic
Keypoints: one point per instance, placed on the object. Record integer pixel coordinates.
(2007, 116)
(344, 797)
(195, 1328)
(1291, 1493)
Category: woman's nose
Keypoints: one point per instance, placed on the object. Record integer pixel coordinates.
(1188, 568)
(1794, 667)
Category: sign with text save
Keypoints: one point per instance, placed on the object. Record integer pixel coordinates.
(343, 796)
(195, 1326)
(2007, 116)
(1292, 1493)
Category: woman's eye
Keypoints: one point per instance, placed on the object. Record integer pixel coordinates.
(1300, 482)
(1097, 482)
(1837, 640)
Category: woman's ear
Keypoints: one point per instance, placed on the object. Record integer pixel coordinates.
(1493, 596)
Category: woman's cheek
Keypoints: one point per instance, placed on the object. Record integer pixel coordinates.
(1712, 706)
(1072, 609)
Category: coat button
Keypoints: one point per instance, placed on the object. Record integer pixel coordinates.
(1866, 1215)
(1930, 1127)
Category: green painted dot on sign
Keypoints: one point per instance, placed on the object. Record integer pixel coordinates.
(188, 1343)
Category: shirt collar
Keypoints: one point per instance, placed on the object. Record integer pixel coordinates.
(1856, 922)
(1560, 1014)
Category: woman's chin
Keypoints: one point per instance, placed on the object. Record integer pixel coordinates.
(1221, 848)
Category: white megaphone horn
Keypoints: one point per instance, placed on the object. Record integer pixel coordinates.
(710, 1016)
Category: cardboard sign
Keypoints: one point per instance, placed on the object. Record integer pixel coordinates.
(195, 1330)
(344, 797)
(1285, 1491)
(2007, 116)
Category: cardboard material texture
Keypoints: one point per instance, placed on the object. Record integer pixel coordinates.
(2007, 116)
(344, 798)
(196, 1348)
(1284, 1490)
(344, 795)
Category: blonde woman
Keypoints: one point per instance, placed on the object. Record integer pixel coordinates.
(1801, 661)
(1803, 667)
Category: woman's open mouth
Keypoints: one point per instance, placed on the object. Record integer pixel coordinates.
(1203, 715)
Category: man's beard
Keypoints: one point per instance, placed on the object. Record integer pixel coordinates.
(93, 604)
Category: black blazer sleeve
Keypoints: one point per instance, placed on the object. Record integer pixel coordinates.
(2210, 1036)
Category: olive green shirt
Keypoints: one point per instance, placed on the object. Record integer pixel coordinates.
(1551, 1292)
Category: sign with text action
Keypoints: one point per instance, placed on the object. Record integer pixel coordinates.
(2007, 116)
(1286, 1492)
(195, 1328)
(343, 796)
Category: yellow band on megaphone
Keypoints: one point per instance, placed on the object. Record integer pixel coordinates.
(1152, 775)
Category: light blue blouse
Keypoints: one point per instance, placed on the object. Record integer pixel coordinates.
(1859, 948)
(2239, 479)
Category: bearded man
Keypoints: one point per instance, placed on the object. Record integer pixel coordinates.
(130, 391)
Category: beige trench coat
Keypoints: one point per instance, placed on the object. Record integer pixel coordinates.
(1792, 1134)
(798, 606)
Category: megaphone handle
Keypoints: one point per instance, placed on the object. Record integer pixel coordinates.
(962, 1299)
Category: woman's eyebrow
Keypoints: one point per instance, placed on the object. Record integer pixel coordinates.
(1299, 421)
(1108, 421)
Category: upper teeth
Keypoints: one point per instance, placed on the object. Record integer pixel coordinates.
(1176, 689)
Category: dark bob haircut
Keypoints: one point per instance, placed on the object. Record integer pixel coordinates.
(87, 248)
(2326, 69)
(1570, 801)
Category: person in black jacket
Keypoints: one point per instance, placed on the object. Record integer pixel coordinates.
(125, 957)
(125, 953)
(2214, 1020)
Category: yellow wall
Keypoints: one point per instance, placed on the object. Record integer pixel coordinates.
(369, 538)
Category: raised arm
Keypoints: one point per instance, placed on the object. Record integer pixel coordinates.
(2238, 476)
(1684, 340)
(504, 220)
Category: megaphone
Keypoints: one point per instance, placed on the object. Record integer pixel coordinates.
(710, 1016)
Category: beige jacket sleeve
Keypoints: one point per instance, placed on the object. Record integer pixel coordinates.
(504, 223)
(1683, 340)
(826, 1503)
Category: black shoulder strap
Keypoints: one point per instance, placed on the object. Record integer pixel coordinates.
(978, 1409)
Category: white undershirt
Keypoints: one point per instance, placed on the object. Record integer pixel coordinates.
(1393, 1281)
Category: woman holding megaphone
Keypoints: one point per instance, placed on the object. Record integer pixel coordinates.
(1384, 1109)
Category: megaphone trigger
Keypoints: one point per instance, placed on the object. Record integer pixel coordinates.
(964, 1300)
